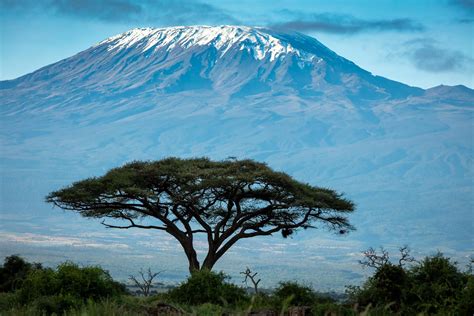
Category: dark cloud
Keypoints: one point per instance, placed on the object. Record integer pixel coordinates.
(465, 4)
(154, 12)
(466, 21)
(106, 10)
(426, 55)
(345, 24)
(467, 8)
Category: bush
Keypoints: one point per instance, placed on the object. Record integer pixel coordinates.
(438, 285)
(47, 306)
(208, 310)
(13, 272)
(207, 287)
(465, 304)
(70, 279)
(56, 304)
(324, 309)
(87, 282)
(260, 301)
(389, 286)
(69, 286)
(8, 301)
(302, 295)
(433, 286)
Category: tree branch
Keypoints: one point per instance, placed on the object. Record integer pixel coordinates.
(132, 224)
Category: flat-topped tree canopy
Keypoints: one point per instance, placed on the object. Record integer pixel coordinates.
(224, 200)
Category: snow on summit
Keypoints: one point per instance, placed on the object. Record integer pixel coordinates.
(258, 41)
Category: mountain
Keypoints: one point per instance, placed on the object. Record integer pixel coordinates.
(403, 154)
(231, 61)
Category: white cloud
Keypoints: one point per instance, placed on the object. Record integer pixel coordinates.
(46, 240)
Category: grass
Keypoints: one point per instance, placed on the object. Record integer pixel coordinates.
(131, 306)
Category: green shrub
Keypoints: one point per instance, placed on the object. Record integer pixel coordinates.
(301, 295)
(434, 286)
(438, 285)
(59, 306)
(13, 271)
(56, 304)
(208, 310)
(389, 286)
(107, 307)
(70, 280)
(68, 287)
(324, 309)
(207, 287)
(260, 301)
(8, 301)
(87, 282)
(465, 304)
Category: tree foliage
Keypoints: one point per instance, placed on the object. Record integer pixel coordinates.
(224, 200)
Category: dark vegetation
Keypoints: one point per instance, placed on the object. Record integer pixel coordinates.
(433, 286)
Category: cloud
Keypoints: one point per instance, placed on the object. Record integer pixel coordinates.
(345, 24)
(463, 4)
(106, 10)
(466, 20)
(427, 55)
(155, 12)
(48, 241)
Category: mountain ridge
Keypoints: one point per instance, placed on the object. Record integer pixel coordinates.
(233, 60)
(141, 34)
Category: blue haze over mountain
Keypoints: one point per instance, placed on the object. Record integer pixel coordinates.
(403, 154)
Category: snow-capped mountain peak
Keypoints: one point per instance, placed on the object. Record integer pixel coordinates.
(231, 61)
(258, 41)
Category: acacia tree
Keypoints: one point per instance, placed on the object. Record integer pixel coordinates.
(226, 201)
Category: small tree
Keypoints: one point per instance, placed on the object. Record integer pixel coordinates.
(146, 282)
(226, 201)
(252, 277)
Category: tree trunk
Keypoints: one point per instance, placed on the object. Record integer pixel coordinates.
(209, 262)
(211, 257)
(193, 265)
(191, 254)
(192, 259)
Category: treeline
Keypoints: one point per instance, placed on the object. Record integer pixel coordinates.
(433, 286)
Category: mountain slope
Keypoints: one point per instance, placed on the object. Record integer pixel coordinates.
(404, 154)
(232, 61)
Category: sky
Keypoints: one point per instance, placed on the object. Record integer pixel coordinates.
(422, 43)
